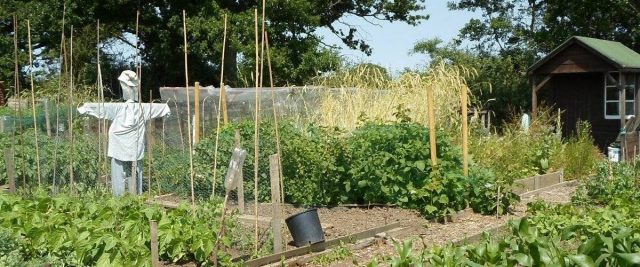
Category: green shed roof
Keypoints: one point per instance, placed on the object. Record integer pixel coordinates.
(617, 54)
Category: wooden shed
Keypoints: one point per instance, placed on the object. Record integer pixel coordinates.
(591, 80)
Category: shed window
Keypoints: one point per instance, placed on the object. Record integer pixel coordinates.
(612, 94)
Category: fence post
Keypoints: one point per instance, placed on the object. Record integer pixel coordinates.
(46, 116)
(276, 221)
(155, 262)
(11, 172)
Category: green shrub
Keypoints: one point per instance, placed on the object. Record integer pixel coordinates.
(390, 163)
(483, 192)
(578, 156)
(612, 181)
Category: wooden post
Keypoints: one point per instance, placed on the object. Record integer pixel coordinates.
(196, 120)
(46, 116)
(240, 182)
(155, 262)
(133, 180)
(465, 133)
(11, 169)
(432, 127)
(623, 102)
(534, 98)
(276, 221)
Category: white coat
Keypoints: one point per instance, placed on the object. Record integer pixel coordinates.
(126, 133)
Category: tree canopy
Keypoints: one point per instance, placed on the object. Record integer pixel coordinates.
(508, 36)
(296, 49)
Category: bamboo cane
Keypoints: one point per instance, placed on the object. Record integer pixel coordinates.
(220, 99)
(275, 116)
(99, 85)
(17, 87)
(465, 132)
(71, 84)
(186, 78)
(256, 134)
(33, 103)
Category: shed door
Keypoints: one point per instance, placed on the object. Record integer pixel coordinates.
(581, 97)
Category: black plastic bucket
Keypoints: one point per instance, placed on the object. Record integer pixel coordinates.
(305, 228)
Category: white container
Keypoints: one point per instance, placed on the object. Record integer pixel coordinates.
(614, 154)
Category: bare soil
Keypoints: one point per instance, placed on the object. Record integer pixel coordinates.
(345, 220)
(423, 232)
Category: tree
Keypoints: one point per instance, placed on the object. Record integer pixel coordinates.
(297, 51)
(511, 35)
(496, 83)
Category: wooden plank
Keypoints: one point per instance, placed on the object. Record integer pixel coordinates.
(276, 221)
(163, 203)
(11, 169)
(542, 83)
(534, 192)
(319, 246)
(538, 182)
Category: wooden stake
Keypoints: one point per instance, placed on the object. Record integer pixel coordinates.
(240, 185)
(276, 221)
(101, 129)
(11, 169)
(155, 261)
(275, 116)
(186, 79)
(465, 132)
(47, 120)
(432, 128)
(221, 104)
(196, 120)
(33, 103)
(256, 136)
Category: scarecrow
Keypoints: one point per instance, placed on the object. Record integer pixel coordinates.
(126, 133)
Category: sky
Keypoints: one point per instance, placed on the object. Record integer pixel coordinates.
(391, 42)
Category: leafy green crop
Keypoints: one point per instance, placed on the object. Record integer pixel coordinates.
(613, 181)
(376, 163)
(96, 229)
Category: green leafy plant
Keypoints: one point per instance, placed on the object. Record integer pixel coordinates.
(613, 181)
(489, 195)
(96, 229)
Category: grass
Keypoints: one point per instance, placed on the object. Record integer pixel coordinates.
(370, 95)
